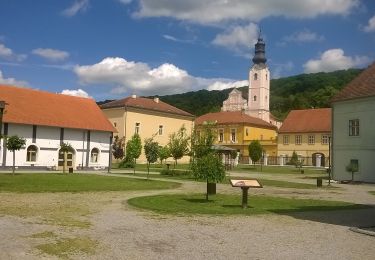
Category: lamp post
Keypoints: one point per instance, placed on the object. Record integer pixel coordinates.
(329, 160)
(2, 107)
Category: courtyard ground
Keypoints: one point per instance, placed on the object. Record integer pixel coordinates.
(101, 225)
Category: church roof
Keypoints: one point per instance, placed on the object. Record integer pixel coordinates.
(34, 107)
(362, 86)
(233, 117)
(307, 121)
(146, 104)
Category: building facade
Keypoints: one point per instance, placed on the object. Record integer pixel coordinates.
(306, 132)
(237, 130)
(354, 128)
(148, 118)
(46, 120)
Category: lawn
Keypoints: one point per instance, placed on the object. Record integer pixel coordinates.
(52, 182)
(192, 204)
(372, 192)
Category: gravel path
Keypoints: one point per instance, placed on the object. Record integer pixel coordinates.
(127, 233)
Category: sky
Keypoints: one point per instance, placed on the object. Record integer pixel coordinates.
(110, 49)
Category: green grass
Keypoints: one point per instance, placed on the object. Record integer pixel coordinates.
(192, 204)
(280, 169)
(51, 182)
(46, 234)
(63, 248)
(157, 167)
(372, 192)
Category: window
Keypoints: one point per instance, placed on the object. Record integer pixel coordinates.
(354, 127)
(286, 139)
(137, 127)
(31, 153)
(298, 139)
(256, 76)
(311, 139)
(325, 139)
(233, 135)
(247, 131)
(94, 155)
(266, 76)
(255, 98)
(160, 130)
(261, 137)
(114, 124)
(221, 135)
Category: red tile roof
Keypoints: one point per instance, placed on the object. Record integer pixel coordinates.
(307, 121)
(34, 107)
(362, 86)
(233, 117)
(147, 104)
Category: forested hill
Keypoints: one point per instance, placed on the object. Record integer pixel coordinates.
(295, 92)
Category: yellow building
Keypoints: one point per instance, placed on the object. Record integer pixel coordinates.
(148, 118)
(307, 132)
(236, 130)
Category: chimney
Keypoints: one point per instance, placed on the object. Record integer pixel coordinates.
(134, 96)
(156, 99)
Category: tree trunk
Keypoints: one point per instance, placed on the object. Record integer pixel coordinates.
(207, 191)
(148, 169)
(14, 163)
(135, 163)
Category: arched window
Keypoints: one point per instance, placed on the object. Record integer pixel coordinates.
(31, 153)
(256, 76)
(266, 76)
(255, 98)
(94, 155)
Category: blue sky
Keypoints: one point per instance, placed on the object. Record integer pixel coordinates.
(114, 48)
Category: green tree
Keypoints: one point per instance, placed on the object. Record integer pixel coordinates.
(164, 153)
(14, 143)
(206, 163)
(133, 150)
(151, 149)
(255, 151)
(352, 168)
(65, 148)
(294, 159)
(178, 144)
(118, 147)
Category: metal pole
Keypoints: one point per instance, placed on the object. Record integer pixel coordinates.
(2, 107)
(244, 196)
(329, 160)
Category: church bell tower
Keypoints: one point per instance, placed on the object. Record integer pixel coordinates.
(259, 84)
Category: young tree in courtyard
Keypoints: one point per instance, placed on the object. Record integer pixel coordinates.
(164, 153)
(65, 148)
(118, 147)
(206, 163)
(14, 143)
(151, 151)
(179, 144)
(255, 151)
(133, 150)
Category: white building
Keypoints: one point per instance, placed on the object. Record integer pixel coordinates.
(47, 120)
(354, 128)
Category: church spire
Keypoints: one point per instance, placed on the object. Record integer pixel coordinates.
(260, 51)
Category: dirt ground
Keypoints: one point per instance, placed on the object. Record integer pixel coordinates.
(102, 225)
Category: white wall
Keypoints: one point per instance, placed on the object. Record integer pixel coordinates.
(360, 147)
(48, 144)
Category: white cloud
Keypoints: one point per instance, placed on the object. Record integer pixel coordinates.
(125, 1)
(370, 27)
(174, 39)
(281, 68)
(76, 92)
(302, 36)
(127, 77)
(334, 59)
(12, 81)
(8, 54)
(77, 6)
(220, 85)
(51, 54)
(238, 38)
(215, 11)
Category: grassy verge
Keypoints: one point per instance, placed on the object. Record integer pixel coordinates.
(51, 182)
(192, 204)
(280, 170)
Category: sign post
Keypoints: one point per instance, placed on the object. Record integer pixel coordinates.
(245, 185)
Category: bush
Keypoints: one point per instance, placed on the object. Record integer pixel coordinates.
(126, 163)
(175, 172)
